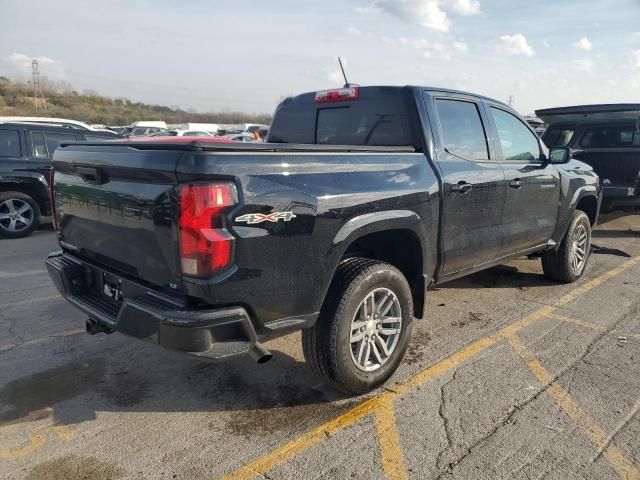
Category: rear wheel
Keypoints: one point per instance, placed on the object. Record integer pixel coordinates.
(364, 327)
(19, 214)
(568, 262)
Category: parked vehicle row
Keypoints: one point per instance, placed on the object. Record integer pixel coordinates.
(362, 199)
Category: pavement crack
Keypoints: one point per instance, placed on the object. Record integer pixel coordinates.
(625, 421)
(507, 419)
(445, 421)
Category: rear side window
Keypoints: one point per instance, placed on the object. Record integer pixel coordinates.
(610, 137)
(9, 143)
(516, 140)
(55, 139)
(378, 117)
(557, 137)
(462, 129)
(39, 145)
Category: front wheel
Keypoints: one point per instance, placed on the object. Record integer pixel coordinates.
(364, 326)
(568, 262)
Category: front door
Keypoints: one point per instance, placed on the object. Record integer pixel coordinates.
(533, 190)
(473, 185)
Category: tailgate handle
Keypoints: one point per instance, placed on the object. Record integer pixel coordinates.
(92, 175)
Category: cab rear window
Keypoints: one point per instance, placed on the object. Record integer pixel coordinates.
(378, 117)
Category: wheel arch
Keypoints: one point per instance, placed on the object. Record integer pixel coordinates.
(397, 237)
(33, 185)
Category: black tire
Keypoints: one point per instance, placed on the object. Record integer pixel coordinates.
(20, 228)
(327, 346)
(557, 264)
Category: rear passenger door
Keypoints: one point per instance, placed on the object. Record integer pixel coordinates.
(473, 184)
(532, 189)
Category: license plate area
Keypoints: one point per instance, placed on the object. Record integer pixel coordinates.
(110, 287)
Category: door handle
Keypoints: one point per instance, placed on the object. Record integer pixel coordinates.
(516, 183)
(461, 187)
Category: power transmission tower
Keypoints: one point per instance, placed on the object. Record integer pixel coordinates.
(38, 96)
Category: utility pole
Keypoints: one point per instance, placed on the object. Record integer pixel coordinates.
(510, 101)
(38, 96)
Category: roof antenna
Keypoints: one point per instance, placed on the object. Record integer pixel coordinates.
(346, 82)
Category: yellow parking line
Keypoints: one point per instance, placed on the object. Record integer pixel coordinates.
(592, 326)
(293, 447)
(389, 441)
(35, 443)
(575, 321)
(616, 458)
(306, 440)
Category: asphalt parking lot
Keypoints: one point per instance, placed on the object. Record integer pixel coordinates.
(511, 376)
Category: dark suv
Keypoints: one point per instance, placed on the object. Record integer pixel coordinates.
(26, 150)
(607, 137)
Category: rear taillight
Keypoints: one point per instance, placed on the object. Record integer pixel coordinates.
(205, 244)
(337, 95)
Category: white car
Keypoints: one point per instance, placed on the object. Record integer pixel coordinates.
(64, 122)
(241, 137)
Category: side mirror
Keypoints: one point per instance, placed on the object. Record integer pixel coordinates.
(559, 155)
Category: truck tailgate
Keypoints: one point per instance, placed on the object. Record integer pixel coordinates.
(115, 206)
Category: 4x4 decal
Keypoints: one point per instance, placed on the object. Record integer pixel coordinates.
(252, 218)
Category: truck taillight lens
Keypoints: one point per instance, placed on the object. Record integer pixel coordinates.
(205, 244)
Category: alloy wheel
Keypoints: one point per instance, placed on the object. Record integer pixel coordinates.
(375, 329)
(15, 215)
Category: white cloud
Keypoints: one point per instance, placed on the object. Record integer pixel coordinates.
(464, 7)
(429, 14)
(426, 13)
(48, 66)
(22, 62)
(460, 46)
(545, 43)
(635, 59)
(514, 45)
(354, 32)
(584, 65)
(637, 34)
(583, 44)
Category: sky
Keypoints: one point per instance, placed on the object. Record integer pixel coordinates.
(249, 55)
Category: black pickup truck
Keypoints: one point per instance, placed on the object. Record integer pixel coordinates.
(362, 198)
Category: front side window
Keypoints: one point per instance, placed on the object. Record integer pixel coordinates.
(55, 139)
(9, 143)
(516, 140)
(462, 129)
(39, 145)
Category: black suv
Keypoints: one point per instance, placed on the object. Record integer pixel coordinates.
(607, 137)
(25, 167)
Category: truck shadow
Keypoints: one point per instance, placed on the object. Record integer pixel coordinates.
(500, 276)
(280, 395)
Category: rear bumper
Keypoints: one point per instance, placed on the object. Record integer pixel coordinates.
(213, 335)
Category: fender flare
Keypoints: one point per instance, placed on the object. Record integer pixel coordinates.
(579, 194)
(368, 223)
